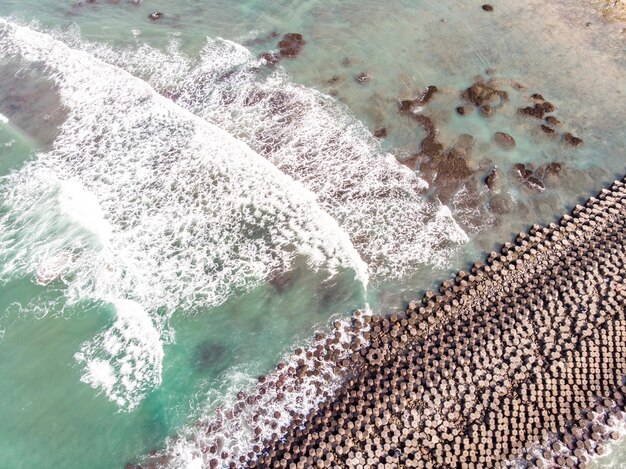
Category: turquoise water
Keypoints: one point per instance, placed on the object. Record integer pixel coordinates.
(55, 413)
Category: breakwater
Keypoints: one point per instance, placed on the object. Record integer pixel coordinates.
(521, 359)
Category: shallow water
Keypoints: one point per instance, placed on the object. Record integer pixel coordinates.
(58, 339)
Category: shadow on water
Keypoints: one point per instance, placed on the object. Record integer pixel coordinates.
(210, 357)
(31, 102)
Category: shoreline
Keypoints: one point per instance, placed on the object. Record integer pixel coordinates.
(519, 361)
(540, 377)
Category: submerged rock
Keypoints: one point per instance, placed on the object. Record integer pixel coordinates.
(501, 204)
(380, 133)
(209, 356)
(551, 172)
(362, 77)
(552, 120)
(461, 111)
(481, 94)
(334, 80)
(535, 111)
(408, 105)
(538, 110)
(291, 45)
(429, 146)
(452, 168)
(487, 7)
(486, 111)
(573, 141)
(463, 145)
(546, 129)
(504, 140)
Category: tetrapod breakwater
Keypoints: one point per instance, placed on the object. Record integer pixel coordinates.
(519, 361)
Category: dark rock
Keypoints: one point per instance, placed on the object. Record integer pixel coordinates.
(536, 111)
(552, 120)
(547, 106)
(480, 94)
(362, 77)
(504, 140)
(570, 139)
(487, 7)
(534, 183)
(157, 15)
(427, 96)
(289, 39)
(452, 168)
(461, 111)
(429, 146)
(526, 175)
(546, 129)
(380, 133)
(425, 123)
(537, 97)
(406, 105)
(291, 45)
(491, 179)
(522, 171)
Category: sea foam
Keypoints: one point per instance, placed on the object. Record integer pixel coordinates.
(311, 137)
(148, 208)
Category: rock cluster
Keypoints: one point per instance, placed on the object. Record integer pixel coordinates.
(522, 358)
(539, 111)
(485, 96)
(289, 47)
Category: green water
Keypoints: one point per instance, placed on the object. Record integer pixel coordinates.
(49, 418)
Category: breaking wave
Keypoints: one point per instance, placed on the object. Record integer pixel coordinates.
(311, 137)
(143, 206)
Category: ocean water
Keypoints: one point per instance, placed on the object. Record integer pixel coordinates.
(177, 215)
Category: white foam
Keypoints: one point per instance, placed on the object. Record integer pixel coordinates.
(125, 360)
(149, 205)
(311, 137)
(82, 207)
(4, 119)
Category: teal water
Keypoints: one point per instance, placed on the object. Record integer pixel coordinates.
(49, 416)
